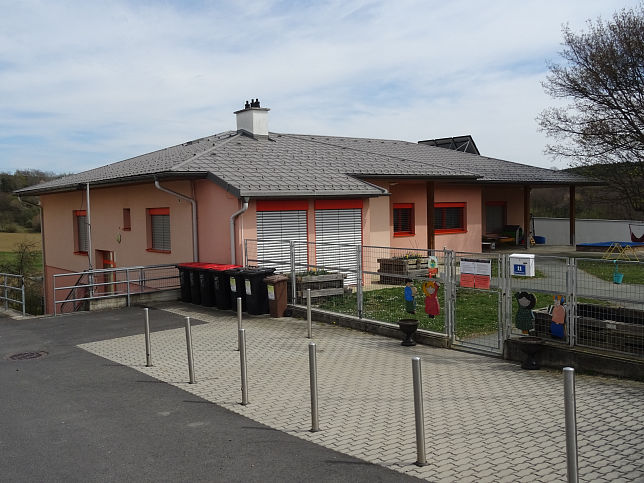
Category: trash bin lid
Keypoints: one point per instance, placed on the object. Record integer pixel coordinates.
(276, 278)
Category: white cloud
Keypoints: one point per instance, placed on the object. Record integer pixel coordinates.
(86, 83)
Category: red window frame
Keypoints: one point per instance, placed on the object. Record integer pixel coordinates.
(151, 212)
(127, 220)
(398, 230)
(77, 250)
(440, 214)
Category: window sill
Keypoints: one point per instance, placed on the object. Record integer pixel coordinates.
(404, 234)
(127, 229)
(156, 250)
(81, 253)
(449, 232)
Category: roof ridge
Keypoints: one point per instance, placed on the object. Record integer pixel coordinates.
(304, 138)
(207, 151)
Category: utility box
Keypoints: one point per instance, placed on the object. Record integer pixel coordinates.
(522, 264)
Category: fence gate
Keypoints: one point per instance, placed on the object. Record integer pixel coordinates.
(477, 288)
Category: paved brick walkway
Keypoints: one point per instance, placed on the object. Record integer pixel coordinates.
(486, 419)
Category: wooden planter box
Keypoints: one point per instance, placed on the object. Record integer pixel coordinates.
(320, 285)
(601, 327)
(396, 270)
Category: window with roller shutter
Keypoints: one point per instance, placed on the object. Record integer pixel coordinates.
(338, 230)
(159, 230)
(276, 227)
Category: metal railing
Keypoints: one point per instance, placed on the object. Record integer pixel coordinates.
(10, 285)
(578, 302)
(77, 289)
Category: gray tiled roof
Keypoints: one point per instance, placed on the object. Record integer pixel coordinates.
(301, 165)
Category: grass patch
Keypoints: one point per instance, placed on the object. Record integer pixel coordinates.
(633, 272)
(8, 259)
(8, 241)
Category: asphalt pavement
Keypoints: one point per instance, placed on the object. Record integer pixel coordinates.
(69, 415)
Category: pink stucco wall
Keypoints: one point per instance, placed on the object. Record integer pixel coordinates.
(129, 247)
(513, 198)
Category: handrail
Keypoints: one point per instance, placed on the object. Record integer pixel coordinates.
(97, 288)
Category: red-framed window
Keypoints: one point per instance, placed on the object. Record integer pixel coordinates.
(159, 230)
(127, 221)
(404, 219)
(81, 235)
(450, 218)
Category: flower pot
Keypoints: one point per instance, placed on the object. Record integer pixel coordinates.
(408, 328)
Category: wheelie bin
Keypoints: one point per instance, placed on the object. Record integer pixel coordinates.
(184, 279)
(255, 289)
(189, 279)
(221, 279)
(237, 288)
(207, 284)
(277, 299)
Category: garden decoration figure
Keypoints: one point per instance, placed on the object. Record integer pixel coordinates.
(525, 316)
(558, 317)
(432, 308)
(410, 296)
(432, 266)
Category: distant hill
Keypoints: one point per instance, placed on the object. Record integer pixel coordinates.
(14, 215)
(591, 201)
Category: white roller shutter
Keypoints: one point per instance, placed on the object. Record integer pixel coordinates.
(275, 229)
(337, 233)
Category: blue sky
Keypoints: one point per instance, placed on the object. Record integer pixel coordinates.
(83, 84)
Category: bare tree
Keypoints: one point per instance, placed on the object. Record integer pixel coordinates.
(602, 75)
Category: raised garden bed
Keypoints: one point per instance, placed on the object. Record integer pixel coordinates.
(395, 270)
(601, 327)
(323, 285)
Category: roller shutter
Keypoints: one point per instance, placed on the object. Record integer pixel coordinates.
(275, 229)
(337, 233)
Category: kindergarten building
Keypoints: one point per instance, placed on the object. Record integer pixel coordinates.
(200, 200)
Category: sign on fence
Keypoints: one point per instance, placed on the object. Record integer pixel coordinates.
(476, 273)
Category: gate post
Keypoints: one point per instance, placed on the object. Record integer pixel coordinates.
(293, 278)
(450, 293)
(359, 279)
(571, 285)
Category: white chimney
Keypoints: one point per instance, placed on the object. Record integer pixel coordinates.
(253, 119)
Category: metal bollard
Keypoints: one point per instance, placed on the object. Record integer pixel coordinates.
(313, 370)
(239, 320)
(191, 364)
(419, 412)
(148, 352)
(571, 424)
(308, 313)
(242, 362)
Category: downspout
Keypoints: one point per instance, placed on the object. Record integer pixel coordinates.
(89, 230)
(195, 241)
(233, 254)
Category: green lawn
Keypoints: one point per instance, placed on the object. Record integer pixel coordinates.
(604, 269)
(8, 258)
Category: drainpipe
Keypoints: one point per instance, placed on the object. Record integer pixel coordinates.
(89, 230)
(232, 230)
(195, 241)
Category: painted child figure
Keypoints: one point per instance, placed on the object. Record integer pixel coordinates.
(525, 316)
(410, 296)
(558, 317)
(432, 308)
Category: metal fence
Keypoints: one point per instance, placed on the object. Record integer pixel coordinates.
(12, 292)
(74, 291)
(476, 299)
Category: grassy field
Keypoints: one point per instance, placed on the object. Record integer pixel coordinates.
(8, 241)
(633, 272)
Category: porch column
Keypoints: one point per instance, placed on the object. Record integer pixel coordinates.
(431, 242)
(571, 214)
(526, 215)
